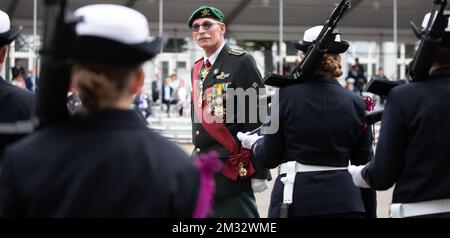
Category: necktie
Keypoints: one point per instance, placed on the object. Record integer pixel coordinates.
(207, 64)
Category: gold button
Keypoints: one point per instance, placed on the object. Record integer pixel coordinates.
(197, 132)
(197, 150)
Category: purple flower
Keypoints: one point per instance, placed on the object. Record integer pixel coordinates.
(370, 103)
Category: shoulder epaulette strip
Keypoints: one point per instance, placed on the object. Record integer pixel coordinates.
(237, 52)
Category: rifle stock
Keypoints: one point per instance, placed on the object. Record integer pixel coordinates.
(382, 87)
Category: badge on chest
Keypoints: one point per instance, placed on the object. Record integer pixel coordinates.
(216, 95)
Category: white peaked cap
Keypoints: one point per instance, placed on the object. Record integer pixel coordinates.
(310, 36)
(8, 33)
(114, 22)
(312, 33)
(5, 24)
(111, 33)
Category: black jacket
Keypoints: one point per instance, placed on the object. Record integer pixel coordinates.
(16, 104)
(109, 166)
(413, 148)
(320, 123)
(243, 74)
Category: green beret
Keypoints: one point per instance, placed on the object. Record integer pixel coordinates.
(206, 12)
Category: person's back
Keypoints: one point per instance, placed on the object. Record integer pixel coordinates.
(322, 127)
(427, 118)
(112, 166)
(103, 161)
(323, 120)
(15, 103)
(413, 146)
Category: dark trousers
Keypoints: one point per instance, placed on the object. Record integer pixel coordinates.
(168, 103)
(237, 206)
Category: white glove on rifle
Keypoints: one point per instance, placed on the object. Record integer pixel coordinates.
(358, 180)
(248, 140)
(259, 185)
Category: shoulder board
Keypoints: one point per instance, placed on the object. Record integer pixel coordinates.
(237, 52)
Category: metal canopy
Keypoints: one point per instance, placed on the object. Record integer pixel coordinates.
(258, 19)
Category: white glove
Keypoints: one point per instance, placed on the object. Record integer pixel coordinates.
(259, 185)
(358, 180)
(248, 140)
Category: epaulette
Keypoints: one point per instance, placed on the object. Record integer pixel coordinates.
(237, 52)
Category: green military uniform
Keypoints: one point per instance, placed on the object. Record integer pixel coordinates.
(232, 69)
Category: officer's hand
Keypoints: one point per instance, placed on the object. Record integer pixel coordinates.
(358, 180)
(248, 140)
(259, 185)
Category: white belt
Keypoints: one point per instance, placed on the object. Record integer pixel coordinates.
(401, 210)
(291, 168)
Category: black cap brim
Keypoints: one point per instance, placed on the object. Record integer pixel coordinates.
(96, 49)
(335, 47)
(9, 36)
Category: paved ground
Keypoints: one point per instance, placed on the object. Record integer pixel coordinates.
(263, 199)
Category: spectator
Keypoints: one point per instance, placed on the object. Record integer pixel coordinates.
(167, 95)
(18, 69)
(380, 75)
(143, 103)
(156, 88)
(360, 79)
(181, 97)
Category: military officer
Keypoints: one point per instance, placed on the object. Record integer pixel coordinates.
(15, 103)
(215, 123)
(413, 147)
(104, 161)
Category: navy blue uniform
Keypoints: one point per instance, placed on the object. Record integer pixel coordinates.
(321, 123)
(413, 148)
(109, 166)
(15, 105)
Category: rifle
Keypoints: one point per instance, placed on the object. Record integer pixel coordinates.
(420, 66)
(59, 37)
(430, 40)
(306, 68)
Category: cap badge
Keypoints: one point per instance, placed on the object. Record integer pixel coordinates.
(205, 13)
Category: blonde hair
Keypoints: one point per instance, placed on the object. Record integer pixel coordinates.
(330, 64)
(101, 84)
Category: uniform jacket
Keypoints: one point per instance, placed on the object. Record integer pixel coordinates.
(413, 148)
(241, 72)
(16, 104)
(320, 123)
(109, 166)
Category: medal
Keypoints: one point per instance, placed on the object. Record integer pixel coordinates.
(219, 101)
(209, 109)
(204, 73)
(200, 96)
(218, 112)
(242, 170)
